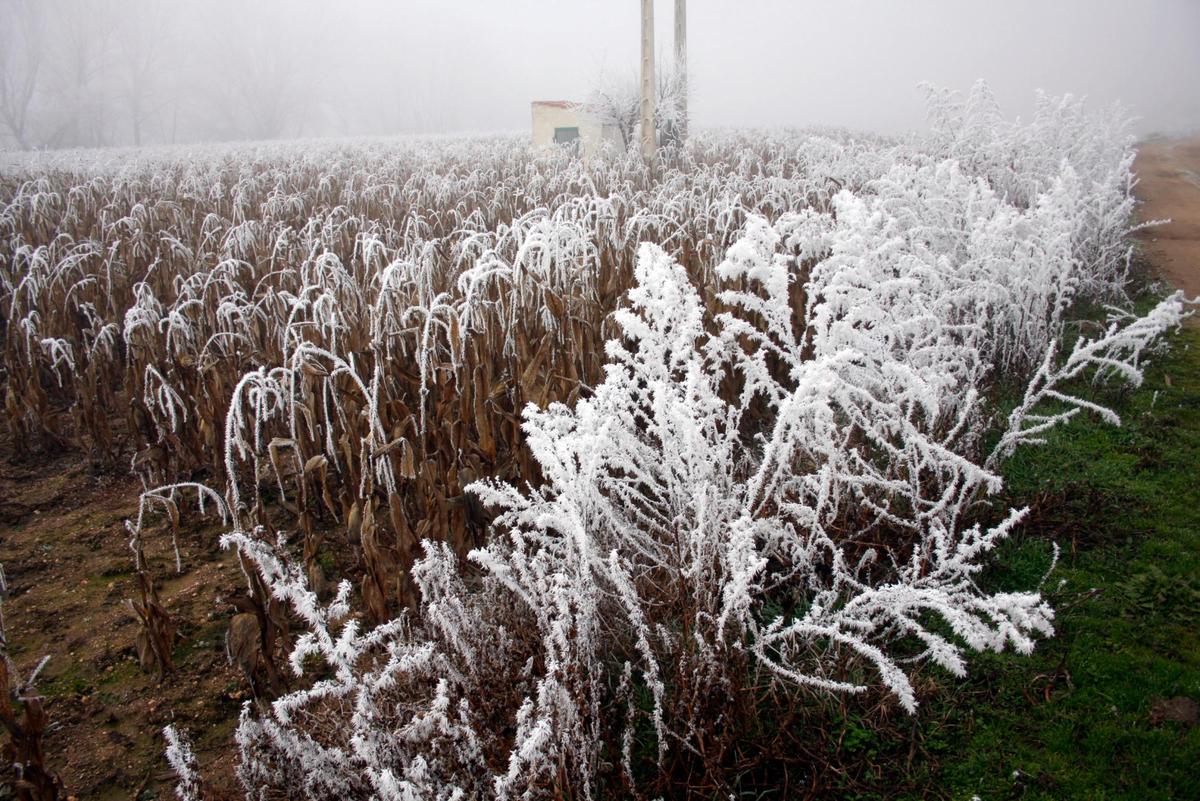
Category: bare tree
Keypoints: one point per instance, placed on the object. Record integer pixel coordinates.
(271, 100)
(82, 60)
(55, 58)
(617, 101)
(21, 55)
(670, 109)
(263, 84)
(143, 38)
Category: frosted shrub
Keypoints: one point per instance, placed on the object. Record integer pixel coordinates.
(667, 520)
(402, 711)
(182, 760)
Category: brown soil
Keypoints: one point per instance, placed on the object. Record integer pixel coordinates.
(65, 553)
(64, 549)
(1169, 188)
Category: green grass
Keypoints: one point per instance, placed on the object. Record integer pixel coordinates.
(1073, 721)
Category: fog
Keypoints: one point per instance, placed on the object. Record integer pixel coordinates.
(114, 72)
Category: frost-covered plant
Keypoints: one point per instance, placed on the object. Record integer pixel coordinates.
(405, 709)
(669, 520)
(182, 760)
(617, 100)
(1116, 354)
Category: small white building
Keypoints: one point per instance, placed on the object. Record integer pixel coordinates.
(558, 122)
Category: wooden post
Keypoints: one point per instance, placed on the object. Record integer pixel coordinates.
(648, 135)
(681, 65)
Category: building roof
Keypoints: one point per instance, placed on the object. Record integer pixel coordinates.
(555, 103)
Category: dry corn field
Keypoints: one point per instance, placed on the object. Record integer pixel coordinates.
(543, 474)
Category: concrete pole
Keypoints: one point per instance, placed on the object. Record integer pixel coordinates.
(681, 64)
(648, 138)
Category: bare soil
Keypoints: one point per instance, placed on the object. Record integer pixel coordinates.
(1169, 188)
(65, 552)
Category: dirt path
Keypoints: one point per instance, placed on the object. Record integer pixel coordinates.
(1169, 187)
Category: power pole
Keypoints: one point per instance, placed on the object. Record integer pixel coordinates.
(681, 65)
(648, 138)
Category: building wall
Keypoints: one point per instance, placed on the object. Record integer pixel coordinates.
(547, 117)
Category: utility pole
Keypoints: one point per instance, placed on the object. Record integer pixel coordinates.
(648, 137)
(681, 65)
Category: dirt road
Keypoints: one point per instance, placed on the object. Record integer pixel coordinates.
(1169, 187)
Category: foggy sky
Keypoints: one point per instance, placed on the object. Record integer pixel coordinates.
(112, 71)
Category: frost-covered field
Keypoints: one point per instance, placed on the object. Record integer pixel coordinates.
(561, 467)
